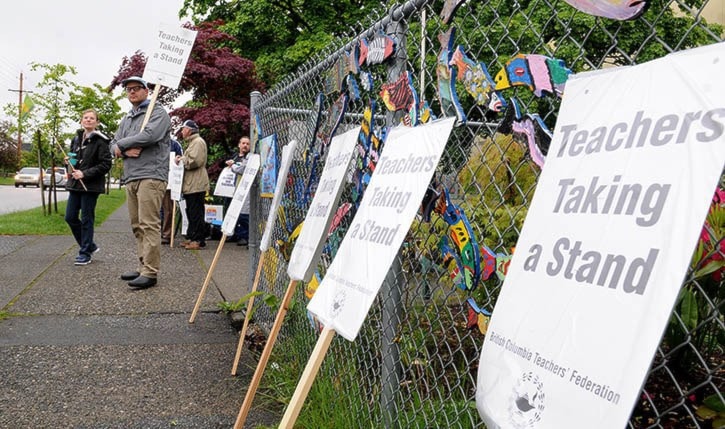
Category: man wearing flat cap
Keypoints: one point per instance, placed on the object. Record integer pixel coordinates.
(142, 140)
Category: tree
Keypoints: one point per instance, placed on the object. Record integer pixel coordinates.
(8, 147)
(98, 98)
(220, 82)
(278, 35)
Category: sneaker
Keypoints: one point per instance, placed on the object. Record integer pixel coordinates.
(96, 250)
(83, 260)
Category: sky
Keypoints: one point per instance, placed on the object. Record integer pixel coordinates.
(91, 35)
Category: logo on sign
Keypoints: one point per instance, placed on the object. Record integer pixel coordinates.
(526, 403)
(338, 303)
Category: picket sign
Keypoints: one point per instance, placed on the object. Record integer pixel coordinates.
(287, 156)
(176, 178)
(240, 195)
(308, 246)
(388, 207)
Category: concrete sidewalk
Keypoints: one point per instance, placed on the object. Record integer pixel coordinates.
(83, 350)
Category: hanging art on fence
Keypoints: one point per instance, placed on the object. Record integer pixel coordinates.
(476, 80)
(539, 73)
(268, 153)
(477, 317)
(450, 105)
(335, 77)
(377, 50)
(401, 95)
(527, 129)
(621, 10)
(363, 165)
(449, 9)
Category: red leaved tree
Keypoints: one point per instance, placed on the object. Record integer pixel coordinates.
(220, 82)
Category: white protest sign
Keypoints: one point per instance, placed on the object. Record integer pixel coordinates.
(241, 194)
(225, 184)
(633, 164)
(184, 219)
(168, 57)
(176, 177)
(288, 153)
(386, 211)
(308, 246)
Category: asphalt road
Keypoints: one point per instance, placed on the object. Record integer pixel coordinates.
(14, 199)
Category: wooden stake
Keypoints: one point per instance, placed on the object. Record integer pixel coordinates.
(308, 377)
(69, 164)
(254, 384)
(250, 305)
(208, 278)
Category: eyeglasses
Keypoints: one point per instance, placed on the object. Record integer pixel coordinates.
(134, 88)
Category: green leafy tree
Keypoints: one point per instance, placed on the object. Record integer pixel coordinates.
(8, 147)
(103, 101)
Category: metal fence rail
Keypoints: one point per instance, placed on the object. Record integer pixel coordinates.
(415, 361)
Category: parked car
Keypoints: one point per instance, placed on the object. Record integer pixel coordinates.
(61, 176)
(28, 176)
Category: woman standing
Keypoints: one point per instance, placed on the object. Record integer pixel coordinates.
(89, 160)
(195, 184)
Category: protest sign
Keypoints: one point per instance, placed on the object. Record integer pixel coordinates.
(386, 211)
(629, 176)
(226, 183)
(241, 194)
(168, 57)
(176, 177)
(308, 246)
(288, 152)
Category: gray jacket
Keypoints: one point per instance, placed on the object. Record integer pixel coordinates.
(153, 139)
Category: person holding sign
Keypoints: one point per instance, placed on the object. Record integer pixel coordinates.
(167, 205)
(142, 140)
(238, 163)
(90, 160)
(195, 185)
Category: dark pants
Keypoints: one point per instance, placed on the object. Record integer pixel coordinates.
(167, 210)
(196, 231)
(241, 229)
(82, 228)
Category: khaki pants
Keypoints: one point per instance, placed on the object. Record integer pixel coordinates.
(144, 204)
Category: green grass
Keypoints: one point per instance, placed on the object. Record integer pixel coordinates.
(35, 222)
(9, 180)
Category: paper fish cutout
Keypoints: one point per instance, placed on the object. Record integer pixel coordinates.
(450, 105)
(377, 50)
(477, 316)
(488, 262)
(449, 9)
(477, 81)
(366, 81)
(430, 199)
(463, 248)
(353, 89)
(425, 113)
(335, 78)
(285, 246)
(539, 73)
(352, 60)
(401, 95)
(502, 265)
(363, 164)
(621, 10)
(530, 128)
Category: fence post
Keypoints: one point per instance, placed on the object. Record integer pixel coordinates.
(253, 191)
(393, 285)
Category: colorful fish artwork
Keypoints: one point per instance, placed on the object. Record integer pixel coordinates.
(366, 81)
(488, 262)
(477, 81)
(361, 176)
(462, 247)
(502, 265)
(285, 246)
(268, 153)
(335, 78)
(352, 60)
(401, 95)
(450, 105)
(477, 316)
(449, 9)
(539, 73)
(621, 10)
(377, 50)
(528, 129)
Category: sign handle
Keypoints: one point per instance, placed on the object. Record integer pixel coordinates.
(208, 278)
(250, 305)
(151, 106)
(262, 364)
(308, 377)
(173, 221)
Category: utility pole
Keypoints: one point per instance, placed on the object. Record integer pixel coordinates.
(20, 116)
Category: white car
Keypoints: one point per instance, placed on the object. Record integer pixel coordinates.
(28, 176)
(61, 177)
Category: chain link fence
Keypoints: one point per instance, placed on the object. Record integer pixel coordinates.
(414, 363)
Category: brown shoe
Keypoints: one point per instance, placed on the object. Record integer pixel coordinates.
(194, 245)
(185, 243)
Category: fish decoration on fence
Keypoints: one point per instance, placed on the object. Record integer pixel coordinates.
(539, 73)
(377, 50)
(477, 316)
(401, 95)
(476, 80)
(324, 134)
(335, 78)
(366, 81)
(361, 176)
(450, 105)
(529, 130)
(449, 9)
(621, 10)
(461, 254)
(285, 246)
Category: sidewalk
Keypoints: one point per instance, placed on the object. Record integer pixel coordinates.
(83, 350)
